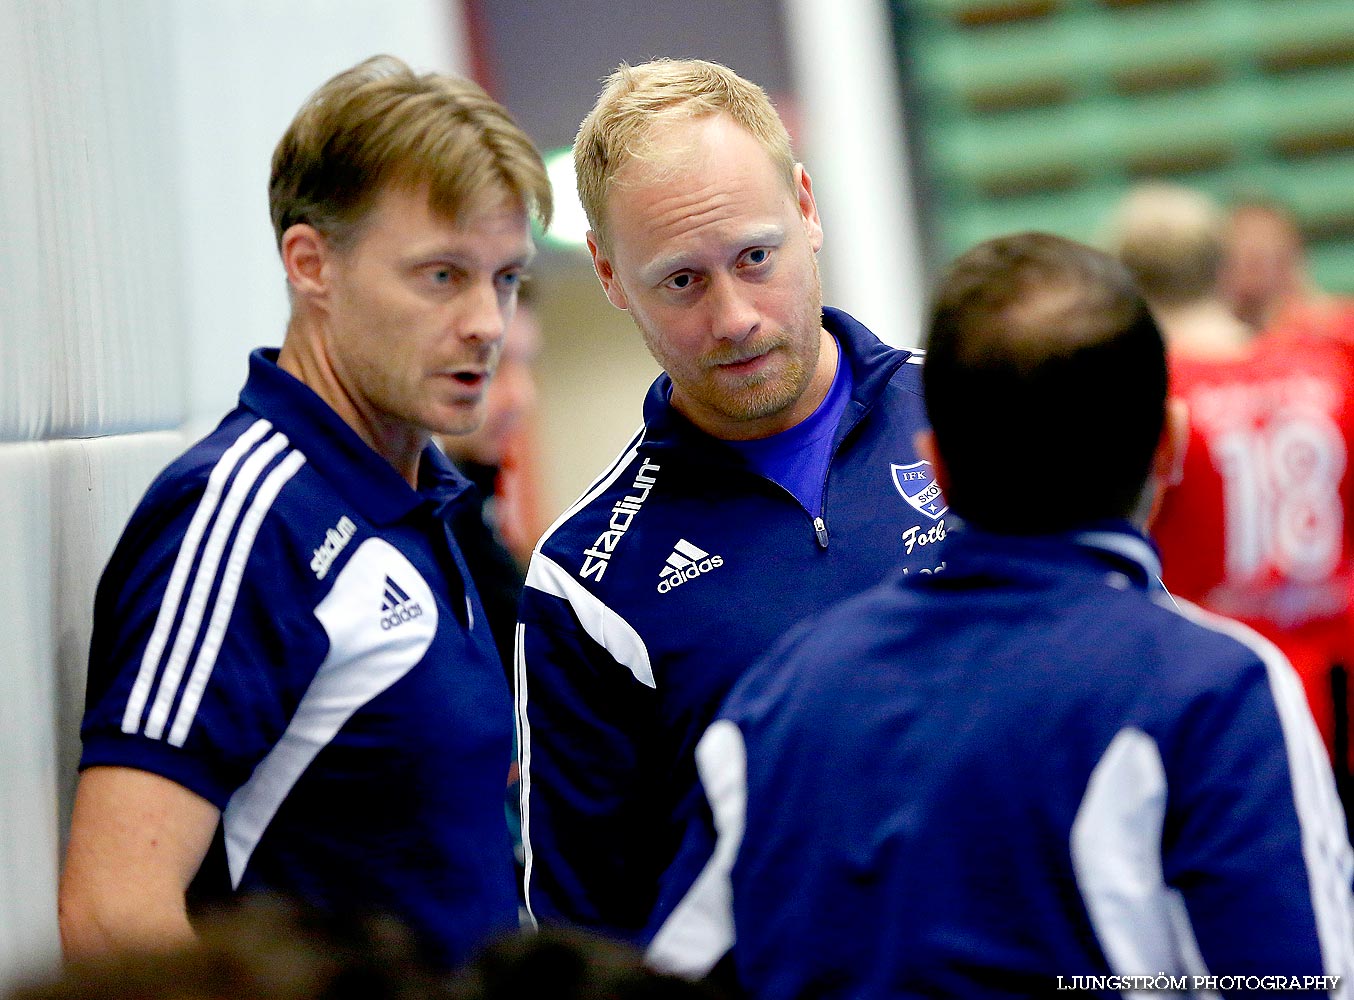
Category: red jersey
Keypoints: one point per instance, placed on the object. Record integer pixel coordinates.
(1259, 529)
(1326, 315)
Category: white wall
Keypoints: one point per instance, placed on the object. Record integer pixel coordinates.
(90, 346)
(138, 269)
(241, 68)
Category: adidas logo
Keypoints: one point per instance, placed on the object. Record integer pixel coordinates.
(686, 563)
(396, 607)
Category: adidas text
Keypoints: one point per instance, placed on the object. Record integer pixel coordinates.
(596, 558)
(678, 577)
(397, 606)
(404, 613)
(335, 540)
(687, 562)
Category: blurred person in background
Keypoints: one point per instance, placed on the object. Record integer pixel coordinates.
(497, 533)
(1265, 277)
(292, 686)
(497, 529)
(774, 475)
(1034, 766)
(1259, 528)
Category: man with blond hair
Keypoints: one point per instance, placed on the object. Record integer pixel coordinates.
(775, 474)
(292, 686)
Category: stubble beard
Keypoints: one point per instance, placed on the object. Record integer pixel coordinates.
(761, 394)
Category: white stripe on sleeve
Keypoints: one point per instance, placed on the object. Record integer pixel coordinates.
(1325, 841)
(606, 628)
(178, 577)
(230, 589)
(1116, 854)
(519, 691)
(195, 611)
(700, 930)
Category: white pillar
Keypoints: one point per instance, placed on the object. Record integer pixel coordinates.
(855, 150)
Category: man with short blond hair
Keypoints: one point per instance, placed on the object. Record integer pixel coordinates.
(637, 99)
(292, 686)
(775, 474)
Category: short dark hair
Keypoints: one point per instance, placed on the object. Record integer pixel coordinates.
(1045, 379)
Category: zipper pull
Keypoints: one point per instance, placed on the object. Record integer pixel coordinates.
(820, 532)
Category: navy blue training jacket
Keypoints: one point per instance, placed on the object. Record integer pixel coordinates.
(650, 597)
(1033, 773)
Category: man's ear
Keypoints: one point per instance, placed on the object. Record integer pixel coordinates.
(925, 443)
(306, 256)
(808, 207)
(1168, 461)
(1168, 464)
(606, 274)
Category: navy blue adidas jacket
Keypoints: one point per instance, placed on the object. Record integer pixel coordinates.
(653, 593)
(1031, 773)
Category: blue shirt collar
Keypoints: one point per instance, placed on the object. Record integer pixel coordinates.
(335, 450)
(798, 457)
(1113, 543)
(1125, 542)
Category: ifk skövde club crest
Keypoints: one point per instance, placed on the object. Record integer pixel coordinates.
(918, 487)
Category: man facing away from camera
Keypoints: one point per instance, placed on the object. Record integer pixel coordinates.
(1033, 771)
(774, 475)
(292, 685)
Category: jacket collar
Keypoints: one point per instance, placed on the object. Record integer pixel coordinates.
(1108, 546)
(365, 479)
